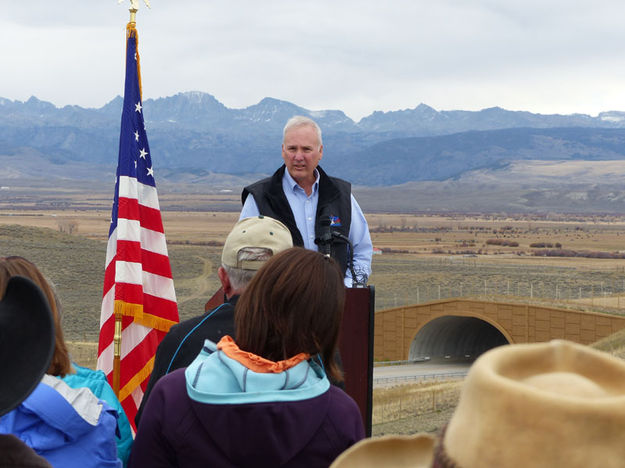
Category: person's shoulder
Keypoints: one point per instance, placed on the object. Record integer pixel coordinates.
(342, 406)
(171, 385)
(339, 396)
(225, 308)
(266, 180)
(342, 183)
(86, 377)
(180, 329)
(345, 415)
(260, 182)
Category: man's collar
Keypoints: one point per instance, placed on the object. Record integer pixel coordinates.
(291, 183)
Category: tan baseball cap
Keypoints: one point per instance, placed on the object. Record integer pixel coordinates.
(258, 231)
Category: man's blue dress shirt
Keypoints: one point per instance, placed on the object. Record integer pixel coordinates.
(304, 208)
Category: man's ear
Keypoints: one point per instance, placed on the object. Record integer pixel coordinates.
(225, 281)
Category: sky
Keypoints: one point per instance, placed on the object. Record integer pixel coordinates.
(358, 56)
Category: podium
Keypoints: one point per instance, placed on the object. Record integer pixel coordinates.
(355, 346)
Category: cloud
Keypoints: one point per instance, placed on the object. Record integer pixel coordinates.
(358, 56)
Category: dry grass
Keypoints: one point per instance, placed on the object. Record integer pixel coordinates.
(414, 400)
(428, 406)
(180, 226)
(84, 353)
(613, 344)
(409, 409)
(75, 264)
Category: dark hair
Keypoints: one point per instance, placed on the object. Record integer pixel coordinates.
(294, 304)
(18, 266)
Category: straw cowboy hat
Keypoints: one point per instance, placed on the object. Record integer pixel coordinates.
(539, 405)
(26, 341)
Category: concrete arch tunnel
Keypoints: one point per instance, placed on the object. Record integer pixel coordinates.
(459, 327)
(455, 337)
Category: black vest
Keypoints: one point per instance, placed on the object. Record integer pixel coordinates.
(334, 200)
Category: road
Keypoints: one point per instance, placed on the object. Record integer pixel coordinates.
(395, 374)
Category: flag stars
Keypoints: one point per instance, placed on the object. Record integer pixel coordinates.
(136, 136)
(138, 107)
(143, 153)
(150, 171)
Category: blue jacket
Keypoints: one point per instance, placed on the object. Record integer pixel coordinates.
(95, 380)
(70, 428)
(217, 412)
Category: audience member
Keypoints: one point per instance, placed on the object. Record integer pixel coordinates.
(249, 245)
(26, 348)
(264, 400)
(541, 405)
(68, 427)
(302, 196)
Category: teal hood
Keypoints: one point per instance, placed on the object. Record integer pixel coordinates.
(215, 378)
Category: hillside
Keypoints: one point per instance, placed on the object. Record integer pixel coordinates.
(421, 158)
(195, 132)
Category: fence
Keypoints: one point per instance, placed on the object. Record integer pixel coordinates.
(410, 401)
(404, 379)
(597, 289)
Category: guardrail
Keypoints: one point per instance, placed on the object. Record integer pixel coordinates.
(399, 363)
(418, 378)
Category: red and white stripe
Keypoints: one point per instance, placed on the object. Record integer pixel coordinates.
(137, 274)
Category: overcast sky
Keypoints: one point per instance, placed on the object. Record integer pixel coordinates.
(359, 56)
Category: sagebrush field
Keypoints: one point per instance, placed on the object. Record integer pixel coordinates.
(423, 258)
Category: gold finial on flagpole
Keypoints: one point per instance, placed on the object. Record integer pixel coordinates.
(134, 7)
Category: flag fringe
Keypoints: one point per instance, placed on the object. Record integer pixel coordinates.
(136, 380)
(131, 31)
(147, 320)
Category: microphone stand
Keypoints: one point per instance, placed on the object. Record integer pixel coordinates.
(350, 258)
(324, 241)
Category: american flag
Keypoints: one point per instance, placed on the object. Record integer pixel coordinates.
(137, 278)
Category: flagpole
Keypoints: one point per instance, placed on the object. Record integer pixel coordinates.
(117, 350)
(134, 261)
(117, 336)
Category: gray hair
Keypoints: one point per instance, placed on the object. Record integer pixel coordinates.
(239, 278)
(302, 121)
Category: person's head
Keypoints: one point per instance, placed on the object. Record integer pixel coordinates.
(249, 245)
(293, 305)
(18, 266)
(302, 148)
(26, 340)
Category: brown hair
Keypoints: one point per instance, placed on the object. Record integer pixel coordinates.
(294, 304)
(18, 266)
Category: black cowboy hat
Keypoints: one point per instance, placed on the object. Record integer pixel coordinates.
(26, 341)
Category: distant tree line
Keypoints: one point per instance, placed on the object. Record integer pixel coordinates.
(575, 253)
(502, 242)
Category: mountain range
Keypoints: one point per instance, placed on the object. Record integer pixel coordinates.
(193, 137)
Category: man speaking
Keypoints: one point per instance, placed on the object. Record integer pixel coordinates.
(319, 210)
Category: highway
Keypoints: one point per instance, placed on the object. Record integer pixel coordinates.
(387, 375)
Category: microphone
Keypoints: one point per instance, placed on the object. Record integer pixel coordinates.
(324, 241)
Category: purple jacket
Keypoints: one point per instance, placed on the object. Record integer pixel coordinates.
(280, 429)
